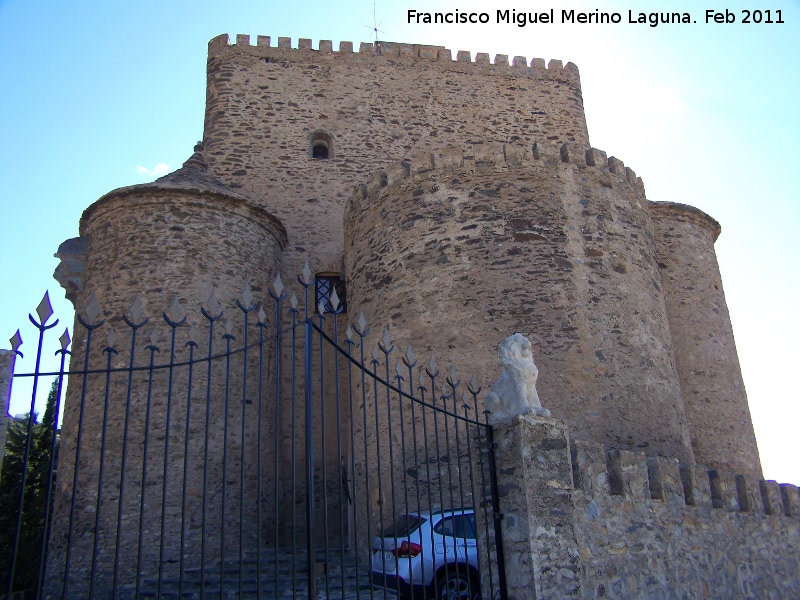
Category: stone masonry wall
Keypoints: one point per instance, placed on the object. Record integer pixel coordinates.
(702, 335)
(653, 528)
(159, 242)
(582, 522)
(378, 104)
(456, 250)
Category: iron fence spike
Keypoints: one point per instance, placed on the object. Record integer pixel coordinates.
(422, 379)
(111, 337)
(136, 309)
(262, 316)
(349, 333)
(375, 352)
(453, 374)
(229, 326)
(432, 364)
(362, 323)
(306, 273)
(64, 339)
(92, 310)
(193, 332)
(321, 308)
(16, 341)
(277, 284)
(45, 309)
(409, 354)
(213, 303)
(335, 300)
(473, 383)
(293, 300)
(175, 310)
(247, 295)
(154, 336)
(398, 367)
(387, 340)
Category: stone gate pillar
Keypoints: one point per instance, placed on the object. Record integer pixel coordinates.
(534, 479)
(7, 358)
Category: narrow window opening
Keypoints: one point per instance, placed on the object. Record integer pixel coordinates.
(319, 150)
(320, 145)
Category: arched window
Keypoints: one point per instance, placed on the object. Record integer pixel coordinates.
(320, 145)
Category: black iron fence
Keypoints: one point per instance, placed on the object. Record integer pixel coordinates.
(264, 450)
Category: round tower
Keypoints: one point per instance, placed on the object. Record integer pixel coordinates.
(455, 252)
(177, 238)
(718, 415)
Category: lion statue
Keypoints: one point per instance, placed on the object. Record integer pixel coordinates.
(514, 393)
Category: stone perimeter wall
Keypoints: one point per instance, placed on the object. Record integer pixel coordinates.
(582, 522)
(639, 537)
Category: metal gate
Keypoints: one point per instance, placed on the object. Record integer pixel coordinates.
(265, 450)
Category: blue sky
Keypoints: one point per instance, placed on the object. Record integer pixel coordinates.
(97, 95)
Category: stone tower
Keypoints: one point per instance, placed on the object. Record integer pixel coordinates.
(557, 245)
(177, 238)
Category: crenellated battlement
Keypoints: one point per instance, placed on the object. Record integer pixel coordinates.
(518, 65)
(603, 474)
(503, 156)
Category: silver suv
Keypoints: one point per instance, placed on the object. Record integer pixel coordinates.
(429, 554)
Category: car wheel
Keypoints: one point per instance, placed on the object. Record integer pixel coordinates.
(455, 584)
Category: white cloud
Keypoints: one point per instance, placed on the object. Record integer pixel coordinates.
(157, 171)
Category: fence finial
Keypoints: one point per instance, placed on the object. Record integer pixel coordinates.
(362, 323)
(16, 341)
(278, 284)
(335, 300)
(193, 332)
(65, 339)
(92, 310)
(136, 309)
(247, 295)
(175, 311)
(410, 356)
(45, 309)
(387, 340)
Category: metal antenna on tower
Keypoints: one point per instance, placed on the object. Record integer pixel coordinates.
(375, 23)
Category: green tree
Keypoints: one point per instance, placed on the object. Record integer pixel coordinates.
(33, 515)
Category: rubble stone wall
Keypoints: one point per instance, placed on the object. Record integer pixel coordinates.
(379, 104)
(455, 250)
(702, 335)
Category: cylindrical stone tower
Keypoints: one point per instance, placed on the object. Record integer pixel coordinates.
(719, 420)
(463, 249)
(180, 237)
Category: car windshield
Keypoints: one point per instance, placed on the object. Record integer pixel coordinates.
(403, 526)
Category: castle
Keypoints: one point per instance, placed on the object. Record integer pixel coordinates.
(457, 202)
